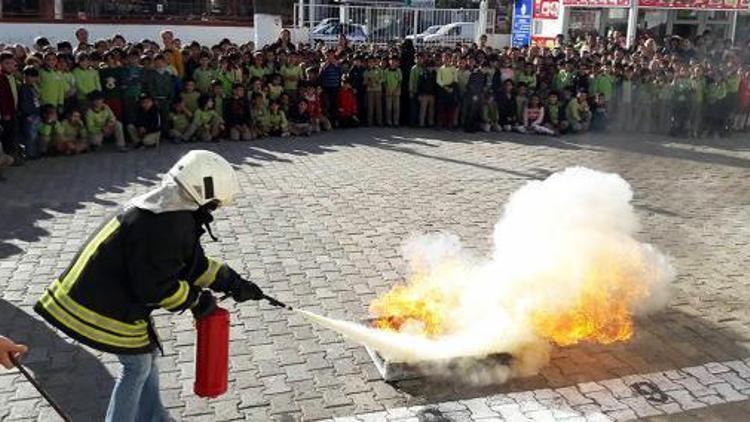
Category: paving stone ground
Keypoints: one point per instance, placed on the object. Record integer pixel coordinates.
(320, 226)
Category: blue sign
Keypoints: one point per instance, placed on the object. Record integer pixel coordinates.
(520, 35)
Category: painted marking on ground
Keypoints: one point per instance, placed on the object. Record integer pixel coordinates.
(617, 399)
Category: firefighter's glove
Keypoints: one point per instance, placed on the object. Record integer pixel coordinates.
(244, 290)
(205, 304)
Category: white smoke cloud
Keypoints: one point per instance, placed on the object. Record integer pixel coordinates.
(554, 237)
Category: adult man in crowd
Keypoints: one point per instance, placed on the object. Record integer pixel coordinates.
(9, 105)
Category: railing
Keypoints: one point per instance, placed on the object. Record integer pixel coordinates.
(382, 25)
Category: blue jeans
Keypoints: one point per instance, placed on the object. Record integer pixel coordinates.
(32, 144)
(136, 393)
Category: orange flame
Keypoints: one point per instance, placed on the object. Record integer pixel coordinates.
(600, 312)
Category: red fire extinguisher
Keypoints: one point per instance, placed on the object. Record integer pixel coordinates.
(212, 354)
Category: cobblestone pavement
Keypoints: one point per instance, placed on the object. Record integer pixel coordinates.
(321, 226)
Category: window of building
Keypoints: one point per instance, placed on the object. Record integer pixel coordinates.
(20, 8)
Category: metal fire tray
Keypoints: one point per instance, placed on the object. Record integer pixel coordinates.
(400, 371)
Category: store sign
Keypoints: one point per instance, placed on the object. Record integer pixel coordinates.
(598, 3)
(520, 35)
(546, 9)
(696, 4)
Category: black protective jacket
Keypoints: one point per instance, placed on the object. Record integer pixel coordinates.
(135, 263)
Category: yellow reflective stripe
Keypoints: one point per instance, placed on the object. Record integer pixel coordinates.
(89, 332)
(209, 276)
(86, 254)
(177, 298)
(96, 319)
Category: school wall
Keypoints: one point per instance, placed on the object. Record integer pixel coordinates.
(25, 33)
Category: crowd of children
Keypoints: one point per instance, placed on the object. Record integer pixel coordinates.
(68, 100)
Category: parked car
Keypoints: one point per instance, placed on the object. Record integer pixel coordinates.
(329, 34)
(324, 23)
(420, 37)
(452, 33)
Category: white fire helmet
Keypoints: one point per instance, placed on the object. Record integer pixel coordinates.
(206, 176)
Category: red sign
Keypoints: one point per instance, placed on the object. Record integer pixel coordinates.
(546, 9)
(696, 4)
(598, 3)
(545, 42)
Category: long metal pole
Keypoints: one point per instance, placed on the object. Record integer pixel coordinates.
(632, 24)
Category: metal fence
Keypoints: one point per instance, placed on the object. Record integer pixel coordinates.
(382, 24)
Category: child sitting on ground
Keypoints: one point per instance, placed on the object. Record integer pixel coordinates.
(299, 117)
(277, 123)
(146, 130)
(490, 114)
(48, 127)
(552, 114)
(259, 116)
(237, 114)
(207, 124)
(190, 95)
(533, 117)
(71, 136)
(180, 119)
(102, 124)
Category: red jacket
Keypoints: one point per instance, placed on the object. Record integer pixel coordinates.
(745, 94)
(8, 104)
(313, 106)
(347, 103)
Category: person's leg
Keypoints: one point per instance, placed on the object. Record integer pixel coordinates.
(388, 110)
(118, 135)
(370, 97)
(234, 133)
(96, 140)
(151, 408)
(396, 110)
(135, 137)
(379, 108)
(125, 402)
(151, 139)
(422, 110)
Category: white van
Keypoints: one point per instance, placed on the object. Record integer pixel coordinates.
(453, 33)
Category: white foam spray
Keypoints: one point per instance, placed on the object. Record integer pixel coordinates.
(553, 237)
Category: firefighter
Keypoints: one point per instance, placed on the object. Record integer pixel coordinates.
(148, 256)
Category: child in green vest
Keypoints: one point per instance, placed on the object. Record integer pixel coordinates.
(86, 80)
(180, 119)
(373, 78)
(392, 88)
(292, 73)
(207, 125)
(70, 136)
(190, 95)
(48, 128)
(101, 123)
(52, 85)
(275, 89)
(259, 116)
(277, 122)
(217, 94)
(204, 74)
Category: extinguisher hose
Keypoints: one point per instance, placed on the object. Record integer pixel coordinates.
(275, 302)
(40, 389)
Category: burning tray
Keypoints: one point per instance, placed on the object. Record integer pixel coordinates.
(399, 371)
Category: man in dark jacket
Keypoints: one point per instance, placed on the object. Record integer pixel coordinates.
(148, 256)
(9, 106)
